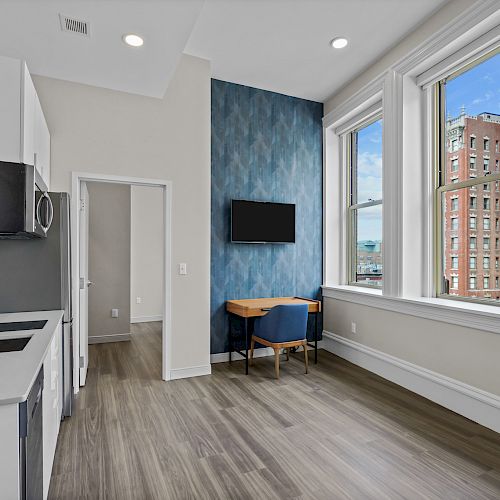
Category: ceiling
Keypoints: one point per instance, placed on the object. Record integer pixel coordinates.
(31, 30)
(283, 45)
(278, 45)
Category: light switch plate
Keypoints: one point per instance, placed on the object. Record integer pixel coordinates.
(183, 269)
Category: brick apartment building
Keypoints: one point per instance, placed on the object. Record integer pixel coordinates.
(471, 216)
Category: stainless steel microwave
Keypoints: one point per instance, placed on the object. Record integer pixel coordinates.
(26, 209)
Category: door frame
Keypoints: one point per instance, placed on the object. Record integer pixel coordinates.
(76, 179)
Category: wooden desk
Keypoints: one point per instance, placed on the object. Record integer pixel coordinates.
(253, 308)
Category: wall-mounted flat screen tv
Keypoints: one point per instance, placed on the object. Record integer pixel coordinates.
(262, 222)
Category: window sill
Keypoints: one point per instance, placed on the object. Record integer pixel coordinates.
(455, 312)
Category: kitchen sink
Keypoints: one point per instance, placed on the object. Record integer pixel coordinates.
(15, 326)
(10, 345)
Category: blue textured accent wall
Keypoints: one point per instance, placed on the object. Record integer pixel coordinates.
(265, 147)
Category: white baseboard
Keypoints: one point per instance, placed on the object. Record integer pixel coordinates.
(115, 337)
(477, 405)
(146, 319)
(222, 357)
(193, 371)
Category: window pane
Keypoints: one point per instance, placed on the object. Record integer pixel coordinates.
(470, 245)
(470, 238)
(367, 225)
(367, 171)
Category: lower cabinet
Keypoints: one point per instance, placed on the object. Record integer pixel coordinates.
(52, 405)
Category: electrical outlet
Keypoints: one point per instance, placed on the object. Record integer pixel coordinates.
(138, 300)
(114, 313)
(353, 327)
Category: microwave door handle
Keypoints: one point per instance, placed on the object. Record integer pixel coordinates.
(50, 208)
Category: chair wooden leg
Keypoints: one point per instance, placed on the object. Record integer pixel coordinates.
(252, 346)
(306, 360)
(287, 352)
(277, 362)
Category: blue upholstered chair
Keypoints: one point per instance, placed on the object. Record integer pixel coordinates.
(283, 327)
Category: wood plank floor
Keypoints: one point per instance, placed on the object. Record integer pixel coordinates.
(338, 432)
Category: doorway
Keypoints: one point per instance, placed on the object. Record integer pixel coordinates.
(81, 282)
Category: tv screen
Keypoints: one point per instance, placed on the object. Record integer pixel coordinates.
(262, 222)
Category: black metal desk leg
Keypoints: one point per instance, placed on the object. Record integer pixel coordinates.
(230, 337)
(246, 346)
(316, 338)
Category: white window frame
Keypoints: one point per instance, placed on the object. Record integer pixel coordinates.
(352, 208)
(406, 90)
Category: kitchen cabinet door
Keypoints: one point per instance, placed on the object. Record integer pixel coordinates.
(28, 110)
(42, 144)
(51, 405)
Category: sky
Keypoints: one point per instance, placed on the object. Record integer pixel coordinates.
(370, 181)
(478, 89)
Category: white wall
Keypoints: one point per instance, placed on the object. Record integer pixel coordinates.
(146, 208)
(104, 131)
(464, 354)
(109, 235)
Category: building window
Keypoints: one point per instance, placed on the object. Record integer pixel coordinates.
(472, 282)
(497, 204)
(497, 263)
(473, 188)
(365, 204)
(486, 282)
(454, 282)
(497, 244)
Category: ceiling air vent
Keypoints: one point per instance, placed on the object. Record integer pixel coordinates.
(73, 25)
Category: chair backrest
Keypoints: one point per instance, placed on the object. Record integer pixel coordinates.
(283, 323)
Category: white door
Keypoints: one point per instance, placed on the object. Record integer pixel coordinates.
(84, 281)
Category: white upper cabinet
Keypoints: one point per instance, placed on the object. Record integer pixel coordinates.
(24, 135)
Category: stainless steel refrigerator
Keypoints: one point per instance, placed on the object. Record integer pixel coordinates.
(35, 275)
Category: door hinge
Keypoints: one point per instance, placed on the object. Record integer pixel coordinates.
(82, 361)
(82, 283)
(82, 205)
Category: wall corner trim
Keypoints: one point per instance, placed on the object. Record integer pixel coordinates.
(192, 371)
(146, 319)
(473, 403)
(103, 339)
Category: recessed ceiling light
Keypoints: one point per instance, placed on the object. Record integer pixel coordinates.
(133, 40)
(339, 42)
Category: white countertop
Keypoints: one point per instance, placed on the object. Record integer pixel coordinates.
(19, 369)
